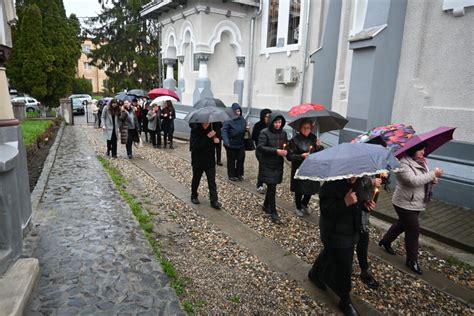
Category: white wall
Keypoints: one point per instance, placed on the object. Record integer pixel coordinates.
(435, 84)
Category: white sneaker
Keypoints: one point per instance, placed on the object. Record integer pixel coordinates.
(299, 213)
(261, 190)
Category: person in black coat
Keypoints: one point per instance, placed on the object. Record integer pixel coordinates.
(257, 128)
(233, 133)
(217, 126)
(203, 160)
(272, 145)
(168, 115)
(339, 224)
(301, 146)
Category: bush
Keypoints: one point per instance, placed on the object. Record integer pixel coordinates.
(81, 86)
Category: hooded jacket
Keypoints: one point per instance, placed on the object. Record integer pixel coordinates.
(260, 125)
(202, 148)
(270, 169)
(233, 131)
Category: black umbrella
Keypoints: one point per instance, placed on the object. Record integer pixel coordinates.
(209, 114)
(323, 121)
(209, 102)
(138, 93)
(122, 96)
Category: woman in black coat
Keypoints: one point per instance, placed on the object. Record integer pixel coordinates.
(302, 145)
(167, 124)
(272, 147)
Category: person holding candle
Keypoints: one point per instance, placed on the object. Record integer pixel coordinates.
(233, 133)
(412, 193)
(272, 148)
(301, 145)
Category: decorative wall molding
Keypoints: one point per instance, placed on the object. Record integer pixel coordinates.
(457, 6)
(236, 36)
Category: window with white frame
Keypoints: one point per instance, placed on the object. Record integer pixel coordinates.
(281, 25)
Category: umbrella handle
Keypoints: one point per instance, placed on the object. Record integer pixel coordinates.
(317, 131)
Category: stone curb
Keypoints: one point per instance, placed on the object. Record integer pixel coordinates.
(38, 191)
(17, 285)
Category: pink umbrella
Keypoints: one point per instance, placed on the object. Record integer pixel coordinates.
(433, 139)
(158, 92)
(303, 108)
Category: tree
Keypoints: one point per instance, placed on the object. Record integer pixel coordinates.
(26, 65)
(82, 86)
(126, 46)
(56, 59)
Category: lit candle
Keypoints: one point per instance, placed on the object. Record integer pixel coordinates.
(376, 195)
(309, 151)
(284, 146)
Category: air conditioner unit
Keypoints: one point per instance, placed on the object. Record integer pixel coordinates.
(287, 75)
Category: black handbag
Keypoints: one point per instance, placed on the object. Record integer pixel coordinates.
(248, 142)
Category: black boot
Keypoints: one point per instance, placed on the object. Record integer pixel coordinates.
(164, 145)
(348, 308)
(171, 145)
(414, 266)
(369, 279)
(388, 248)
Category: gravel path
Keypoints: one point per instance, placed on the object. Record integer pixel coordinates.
(399, 293)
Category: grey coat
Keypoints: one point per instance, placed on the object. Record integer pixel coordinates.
(153, 119)
(410, 190)
(106, 121)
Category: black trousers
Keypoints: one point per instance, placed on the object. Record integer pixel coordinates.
(334, 267)
(168, 136)
(211, 182)
(158, 136)
(235, 162)
(219, 151)
(362, 250)
(112, 144)
(408, 223)
(270, 203)
(131, 135)
(301, 200)
(153, 137)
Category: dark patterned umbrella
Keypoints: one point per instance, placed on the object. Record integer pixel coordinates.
(323, 121)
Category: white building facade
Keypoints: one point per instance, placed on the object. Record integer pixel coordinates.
(373, 61)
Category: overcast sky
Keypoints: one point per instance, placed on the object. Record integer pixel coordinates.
(82, 8)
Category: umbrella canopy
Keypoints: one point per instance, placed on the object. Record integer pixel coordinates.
(393, 136)
(323, 121)
(434, 139)
(347, 160)
(105, 100)
(122, 96)
(138, 93)
(163, 98)
(209, 102)
(208, 114)
(157, 92)
(303, 108)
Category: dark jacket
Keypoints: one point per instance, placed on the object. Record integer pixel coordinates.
(299, 145)
(202, 148)
(340, 224)
(260, 125)
(167, 123)
(233, 131)
(270, 169)
(126, 123)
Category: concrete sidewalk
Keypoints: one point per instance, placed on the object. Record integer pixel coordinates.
(449, 224)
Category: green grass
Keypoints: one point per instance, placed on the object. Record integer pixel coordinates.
(146, 223)
(34, 128)
(456, 262)
(234, 298)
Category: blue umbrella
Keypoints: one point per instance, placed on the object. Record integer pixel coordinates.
(123, 96)
(347, 160)
(105, 100)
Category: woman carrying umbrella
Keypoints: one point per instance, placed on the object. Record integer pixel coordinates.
(168, 115)
(272, 147)
(301, 145)
(413, 191)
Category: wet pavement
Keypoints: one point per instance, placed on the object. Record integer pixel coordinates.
(93, 256)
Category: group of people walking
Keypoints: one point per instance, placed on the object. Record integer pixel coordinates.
(345, 205)
(129, 119)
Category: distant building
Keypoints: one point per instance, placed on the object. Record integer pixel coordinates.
(96, 76)
(373, 61)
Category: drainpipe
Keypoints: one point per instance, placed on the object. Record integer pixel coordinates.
(305, 53)
(252, 45)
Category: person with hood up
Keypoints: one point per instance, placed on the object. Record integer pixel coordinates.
(257, 128)
(301, 146)
(272, 148)
(203, 160)
(233, 133)
(129, 127)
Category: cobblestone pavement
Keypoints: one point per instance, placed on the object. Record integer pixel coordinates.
(93, 255)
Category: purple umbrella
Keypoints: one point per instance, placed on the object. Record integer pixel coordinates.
(434, 139)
